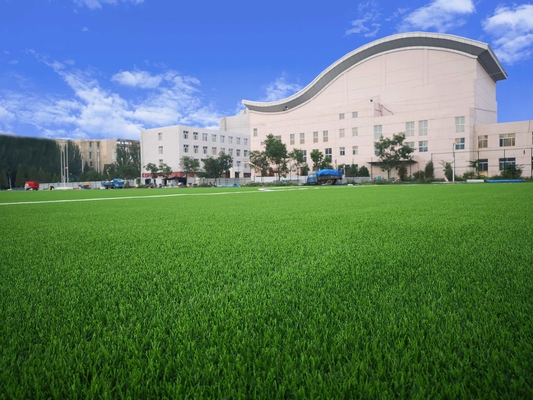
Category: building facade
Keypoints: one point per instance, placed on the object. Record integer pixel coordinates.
(169, 144)
(438, 89)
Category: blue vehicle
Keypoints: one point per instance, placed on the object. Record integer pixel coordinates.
(115, 183)
(324, 177)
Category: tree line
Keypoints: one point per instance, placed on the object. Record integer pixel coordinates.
(34, 159)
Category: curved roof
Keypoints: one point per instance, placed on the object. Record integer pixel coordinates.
(481, 51)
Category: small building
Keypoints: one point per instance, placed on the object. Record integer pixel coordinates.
(169, 144)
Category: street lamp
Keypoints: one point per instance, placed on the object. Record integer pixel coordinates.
(453, 150)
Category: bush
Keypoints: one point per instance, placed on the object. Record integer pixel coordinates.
(429, 171)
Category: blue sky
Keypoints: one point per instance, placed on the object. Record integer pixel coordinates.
(108, 68)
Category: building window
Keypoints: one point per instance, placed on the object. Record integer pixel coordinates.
(341, 116)
(195, 135)
(305, 155)
(302, 138)
(507, 139)
(483, 164)
(291, 139)
(324, 136)
(423, 127)
(354, 114)
(342, 151)
(255, 132)
(376, 151)
(423, 146)
(355, 150)
(195, 149)
(410, 144)
(97, 145)
(278, 137)
(341, 133)
(185, 134)
(238, 140)
(315, 137)
(214, 151)
(160, 136)
(238, 152)
(160, 160)
(459, 143)
(230, 152)
(506, 161)
(230, 139)
(160, 150)
(90, 163)
(90, 145)
(185, 148)
(355, 131)
(459, 124)
(223, 149)
(205, 149)
(245, 153)
(204, 137)
(213, 138)
(378, 132)
(482, 141)
(245, 141)
(221, 138)
(410, 128)
(328, 153)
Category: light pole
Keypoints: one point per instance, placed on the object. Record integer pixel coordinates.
(453, 150)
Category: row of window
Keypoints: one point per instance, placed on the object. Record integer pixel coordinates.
(205, 138)
(378, 130)
(205, 150)
(505, 140)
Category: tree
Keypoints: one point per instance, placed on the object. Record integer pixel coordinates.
(363, 171)
(317, 157)
(429, 171)
(392, 152)
(259, 162)
(20, 180)
(4, 183)
(448, 170)
(110, 171)
(225, 162)
(189, 166)
(154, 170)
(165, 170)
(128, 163)
(212, 168)
(353, 170)
(512, 171)
(402, 172)
(276, 153)
(297, 156)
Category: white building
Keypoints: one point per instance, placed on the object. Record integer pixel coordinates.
(439, 89)
(169, 144)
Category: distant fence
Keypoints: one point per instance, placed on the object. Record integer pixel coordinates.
(79, 185)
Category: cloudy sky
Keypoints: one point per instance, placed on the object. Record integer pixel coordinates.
(108, 68)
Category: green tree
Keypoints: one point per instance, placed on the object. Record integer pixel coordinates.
(212, 168)
(429, 171)
(353, 170)
(448, 170)
(259, 162)
(110, 171)
(225, 161)
(297, 156)
(317, 157)
(4, 183)
(128, 163)
(276, 153)
(402, 172)
(153, 169)
(512, 171)
(363, 171)
(20, 180)
(189, 165)
(392, 152)
(165, 170)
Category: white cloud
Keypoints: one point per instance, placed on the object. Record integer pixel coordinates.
(84, 29)
(512, 28)
(280, 89)
(94, 4)
(13, 62)
(142, 79)
(94, 111)
(439, 15)
(367, 24)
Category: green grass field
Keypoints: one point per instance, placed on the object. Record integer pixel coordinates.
(419, 291)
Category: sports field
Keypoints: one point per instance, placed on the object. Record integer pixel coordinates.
(415, 291)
